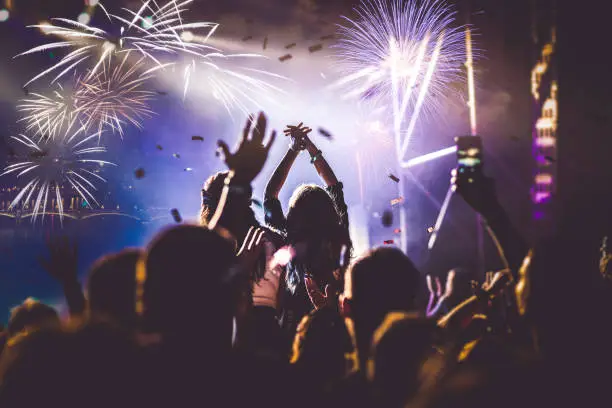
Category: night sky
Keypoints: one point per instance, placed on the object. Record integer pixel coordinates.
(502, 30)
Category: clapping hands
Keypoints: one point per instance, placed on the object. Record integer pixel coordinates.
(299, 136)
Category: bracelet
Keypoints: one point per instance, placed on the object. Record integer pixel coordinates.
(316, 156)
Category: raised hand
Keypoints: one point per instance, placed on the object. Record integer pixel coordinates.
(437, 297)
(61, 263)
(318, 298)
(299, 136)
(251, 154)
(478, 191)
(256, 243)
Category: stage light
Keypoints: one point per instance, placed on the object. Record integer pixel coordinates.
(4, 15)
(429, 157)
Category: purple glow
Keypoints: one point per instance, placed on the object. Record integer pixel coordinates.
(541, 196)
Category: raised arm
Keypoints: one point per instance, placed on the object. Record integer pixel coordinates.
(298, 134)
(276, 182)
(323, 168)
(244, 164)
(480, 194)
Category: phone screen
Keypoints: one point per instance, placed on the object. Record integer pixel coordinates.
(469, 153)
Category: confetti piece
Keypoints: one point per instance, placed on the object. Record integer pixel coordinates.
(328, 37)
(387, 218)
(397, 201)
(315, 48)
(176, 215)
(389, 242)
(285, 57)
(394, 178)
(247, 38)
(430, 230)
(256, 202)
(139, 173)
(265, 43)
(397, 231)
(188, 169)
(176, 155)
(289, 46)
(325, 133)
(200, 138)
(158, 147)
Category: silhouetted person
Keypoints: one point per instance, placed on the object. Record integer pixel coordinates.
(111, 287)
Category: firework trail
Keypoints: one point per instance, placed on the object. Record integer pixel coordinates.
(51, 166)
(402, 53)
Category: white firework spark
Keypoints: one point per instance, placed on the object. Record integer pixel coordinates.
(54, 165)
(402, 54)
(46, 116)
(152, 31)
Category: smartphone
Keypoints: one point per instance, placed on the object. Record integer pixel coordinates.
(469, 154)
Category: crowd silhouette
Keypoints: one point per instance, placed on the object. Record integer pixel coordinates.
(233, 313)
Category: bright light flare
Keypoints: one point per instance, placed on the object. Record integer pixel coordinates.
(470, 70)
(429, 157)
(53, 166)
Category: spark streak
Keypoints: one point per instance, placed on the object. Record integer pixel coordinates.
(440, 220)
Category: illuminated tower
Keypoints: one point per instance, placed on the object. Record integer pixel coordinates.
(544, 91)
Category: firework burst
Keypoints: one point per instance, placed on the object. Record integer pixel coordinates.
(46, 116)
(402, 54)
(52, 166)
(152, 36)
(115, 97)
(110, 99)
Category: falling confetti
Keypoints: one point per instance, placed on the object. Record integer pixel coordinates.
(176, 156)
(285, 57)
(158, 147)
(315, 48)
(265, 43)
(176, 215)
(430, 230)
(139, 173)
(397, 201)
(188, 169)
(328, 37)
(397, 231)
(198, 138)
(387, 218)
(325, 133)
(289, 46)
(394, 178)
(247, 38)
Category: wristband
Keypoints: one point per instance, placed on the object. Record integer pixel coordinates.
(316, 156)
